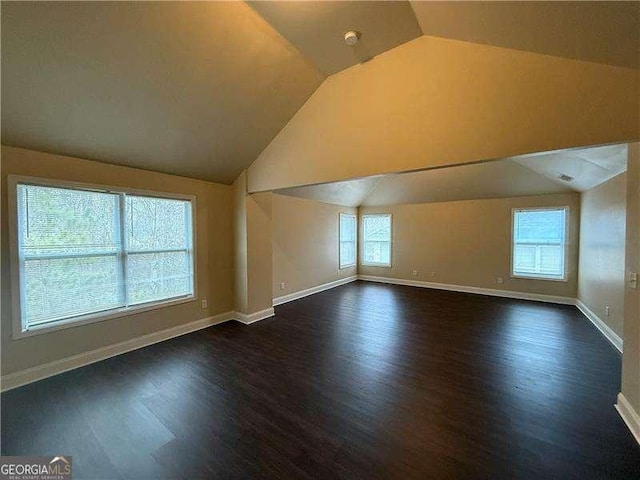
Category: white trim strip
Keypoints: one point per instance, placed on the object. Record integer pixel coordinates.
(310, 291)
(610, 335)
(40, 372)
(629, 415)
(477, 290)
(250, 318)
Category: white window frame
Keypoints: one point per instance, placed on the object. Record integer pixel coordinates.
(19, 328)
(374, 264)
(355, 241)
(565, 245)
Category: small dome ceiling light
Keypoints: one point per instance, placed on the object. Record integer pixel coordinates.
(351, 37)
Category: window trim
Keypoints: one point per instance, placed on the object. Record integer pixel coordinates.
(18, 328)
(355, 242)
(565, 276)
(372, 264)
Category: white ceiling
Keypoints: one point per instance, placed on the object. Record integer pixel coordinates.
(317, 28)
(588, 166)
(200, 88)
(191, 88)
(512, 177)
(597, 31)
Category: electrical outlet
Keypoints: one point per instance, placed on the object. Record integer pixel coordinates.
(607, 311)
(204, 303)
(282, 284)
(500, 280)
(633, 280)
(415, 273)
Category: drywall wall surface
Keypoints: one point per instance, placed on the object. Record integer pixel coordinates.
(436, 102)
(602, 251)
(306, 244)
(468, 243)
(631, 354)
(214, 258)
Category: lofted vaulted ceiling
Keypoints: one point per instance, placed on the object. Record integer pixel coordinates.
(605, 32)
(510, 177)
(190, 88)
(201, 88)
(317, 28)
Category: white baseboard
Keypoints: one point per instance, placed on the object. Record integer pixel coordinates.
(610, 335)
(477, 290)
(629, 415)
(253, 317)
(310, 291)
(40, 372)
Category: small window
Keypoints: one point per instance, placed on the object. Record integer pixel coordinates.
(539, 243)
(376, 240)
(88, 253)
(347, 240)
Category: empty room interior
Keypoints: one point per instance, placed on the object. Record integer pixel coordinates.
(309, 239)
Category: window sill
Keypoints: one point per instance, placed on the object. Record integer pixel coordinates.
(534, 277)
(99, 317)
(381, 265)
(344, 267)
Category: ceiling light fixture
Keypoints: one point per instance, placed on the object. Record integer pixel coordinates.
(351, 37)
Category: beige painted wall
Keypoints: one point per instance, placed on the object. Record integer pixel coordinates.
(241, 290)
(305, 244)
(435, 102)
(631, 354)
(252, 240)
(259, 256)
(602, 250)
(469, 243)
(214, 258)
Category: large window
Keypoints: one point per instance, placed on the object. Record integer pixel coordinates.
(348, 238)
(376, 240)
(539, 243)
(85, 253)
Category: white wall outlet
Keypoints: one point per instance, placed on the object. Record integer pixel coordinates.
(433, 274)
(633, 280)
(282, 284)
(204, 303)
(607, 311)
(500, 280)
(415, 273)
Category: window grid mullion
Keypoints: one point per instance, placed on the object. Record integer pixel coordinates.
(123, 248)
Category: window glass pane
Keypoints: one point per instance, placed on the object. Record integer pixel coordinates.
(540, 226)
(68, 242)
(347, 240)
(156, 276)
(539, 243)
(60, 221)
(60, 288)
(377, 239)
(157, 223)
(72, 258)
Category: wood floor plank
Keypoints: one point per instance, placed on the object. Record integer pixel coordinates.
(362, 381)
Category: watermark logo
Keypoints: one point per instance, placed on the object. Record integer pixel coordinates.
(35, 468)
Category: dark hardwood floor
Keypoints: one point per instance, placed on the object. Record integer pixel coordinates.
(363, 381)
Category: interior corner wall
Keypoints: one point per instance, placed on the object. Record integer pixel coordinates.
(306, 244)
(240, 243)
(436, 102)
(214, 253)
(631, 353)
(259, 256)
(601, 280)
(252, 252)
(468, 243)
